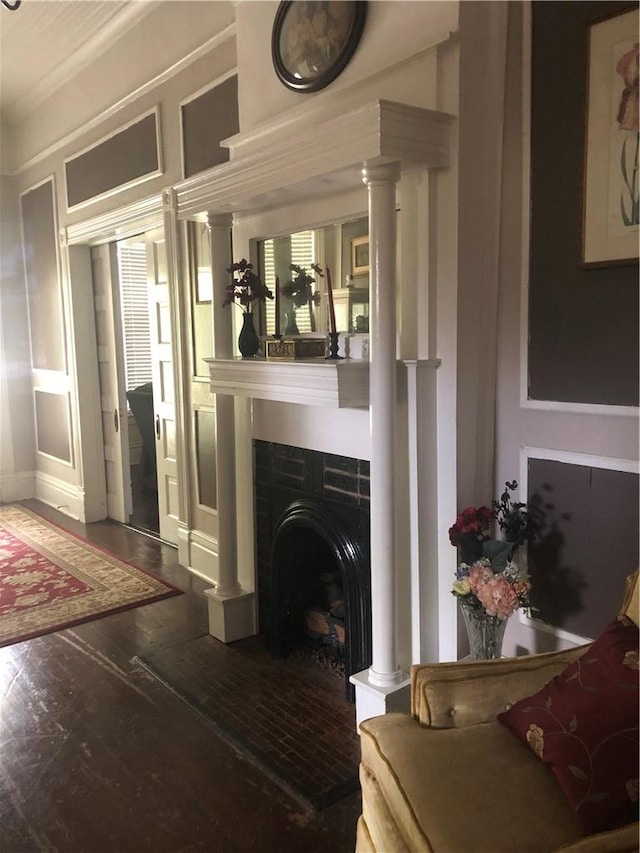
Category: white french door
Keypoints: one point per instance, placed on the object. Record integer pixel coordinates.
(113, 403)
(163, 386)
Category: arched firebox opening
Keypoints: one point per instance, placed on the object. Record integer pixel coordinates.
(320, 586)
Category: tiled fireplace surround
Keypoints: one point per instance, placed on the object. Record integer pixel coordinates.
(312, 513)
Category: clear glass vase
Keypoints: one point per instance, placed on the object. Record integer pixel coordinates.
(485, 633)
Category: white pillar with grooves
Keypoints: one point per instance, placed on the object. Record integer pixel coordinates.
(231, 614)
(383, 686)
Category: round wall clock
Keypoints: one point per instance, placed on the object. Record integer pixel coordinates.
(312, 42)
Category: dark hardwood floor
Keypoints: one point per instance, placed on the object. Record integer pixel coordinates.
(98, 757)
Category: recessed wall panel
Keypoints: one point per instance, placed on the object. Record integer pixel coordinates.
(53, 427)
(587, 542)
(207, 119)
(43, 280)
(205, 424)
(169, 433)
(166, 380)
(127, 156)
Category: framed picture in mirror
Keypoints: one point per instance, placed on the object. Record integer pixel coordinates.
(360, 255)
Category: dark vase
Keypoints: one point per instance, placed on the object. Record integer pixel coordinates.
(248, 341)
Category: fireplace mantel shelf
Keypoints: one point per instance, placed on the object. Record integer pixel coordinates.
(311, 382)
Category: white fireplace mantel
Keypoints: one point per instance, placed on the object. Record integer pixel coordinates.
(311, 382)
(319, 150)
(314, 153)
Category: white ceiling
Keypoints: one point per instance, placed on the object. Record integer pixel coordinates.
(46, 42)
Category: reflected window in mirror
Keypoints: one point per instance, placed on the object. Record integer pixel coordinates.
(303, 304)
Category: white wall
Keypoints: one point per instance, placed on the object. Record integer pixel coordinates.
(143, 69)
(17, 450)
(172, 31)
(395, 30)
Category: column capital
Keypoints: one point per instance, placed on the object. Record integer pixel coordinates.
(381, 173)
(170, 200)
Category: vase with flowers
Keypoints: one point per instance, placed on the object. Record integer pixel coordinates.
(299, 292)
(245, 289)
(489, 585)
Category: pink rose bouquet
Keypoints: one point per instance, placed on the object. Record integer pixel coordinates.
(487, 579)
(498, 594)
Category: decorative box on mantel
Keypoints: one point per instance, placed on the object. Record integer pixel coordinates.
(291, 348)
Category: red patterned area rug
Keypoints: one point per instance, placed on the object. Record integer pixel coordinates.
(51, 579)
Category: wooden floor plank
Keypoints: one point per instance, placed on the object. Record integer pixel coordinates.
(97, 756)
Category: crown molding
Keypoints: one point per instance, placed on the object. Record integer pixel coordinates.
(143, 215)
(227, 33)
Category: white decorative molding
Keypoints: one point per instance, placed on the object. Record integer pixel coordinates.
(557, 406)
(312, 382)
(63, 143)
(126, 17)
(325, 154)
(526, 202)
(373, 700)
(134, 182)
(568, 457)
(143, 215)
(202, 554)
(66, 497)
(552, 630)
(231, 617)
(212, 84)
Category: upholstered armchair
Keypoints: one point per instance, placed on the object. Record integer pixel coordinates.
(453, 777)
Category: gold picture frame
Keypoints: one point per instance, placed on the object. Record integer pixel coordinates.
(360, 255)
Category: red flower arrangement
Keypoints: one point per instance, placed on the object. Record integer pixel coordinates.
(487, 578)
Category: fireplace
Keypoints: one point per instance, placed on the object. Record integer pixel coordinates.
(314, 575)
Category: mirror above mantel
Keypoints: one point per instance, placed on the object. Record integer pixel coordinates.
(335, 247)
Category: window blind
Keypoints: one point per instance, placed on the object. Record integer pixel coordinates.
(303, 254)
(132, 267)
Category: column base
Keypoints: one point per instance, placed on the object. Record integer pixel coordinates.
(372, 700)
(231, 617)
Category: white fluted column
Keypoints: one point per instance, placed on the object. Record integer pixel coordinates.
(231, 612)
(381, 183)
(383, 687)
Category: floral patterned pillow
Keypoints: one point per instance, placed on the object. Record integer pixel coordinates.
(584, 725)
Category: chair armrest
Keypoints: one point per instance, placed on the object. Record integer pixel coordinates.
(622, 840)
(452, 695)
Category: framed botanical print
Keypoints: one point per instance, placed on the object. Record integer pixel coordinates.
(611, 199)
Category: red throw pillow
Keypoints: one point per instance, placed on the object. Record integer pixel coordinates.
(584, 725)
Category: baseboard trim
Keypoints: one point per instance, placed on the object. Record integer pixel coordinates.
(62, 496)
(17, 486)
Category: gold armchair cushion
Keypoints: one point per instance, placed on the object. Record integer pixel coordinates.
(462, 694)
